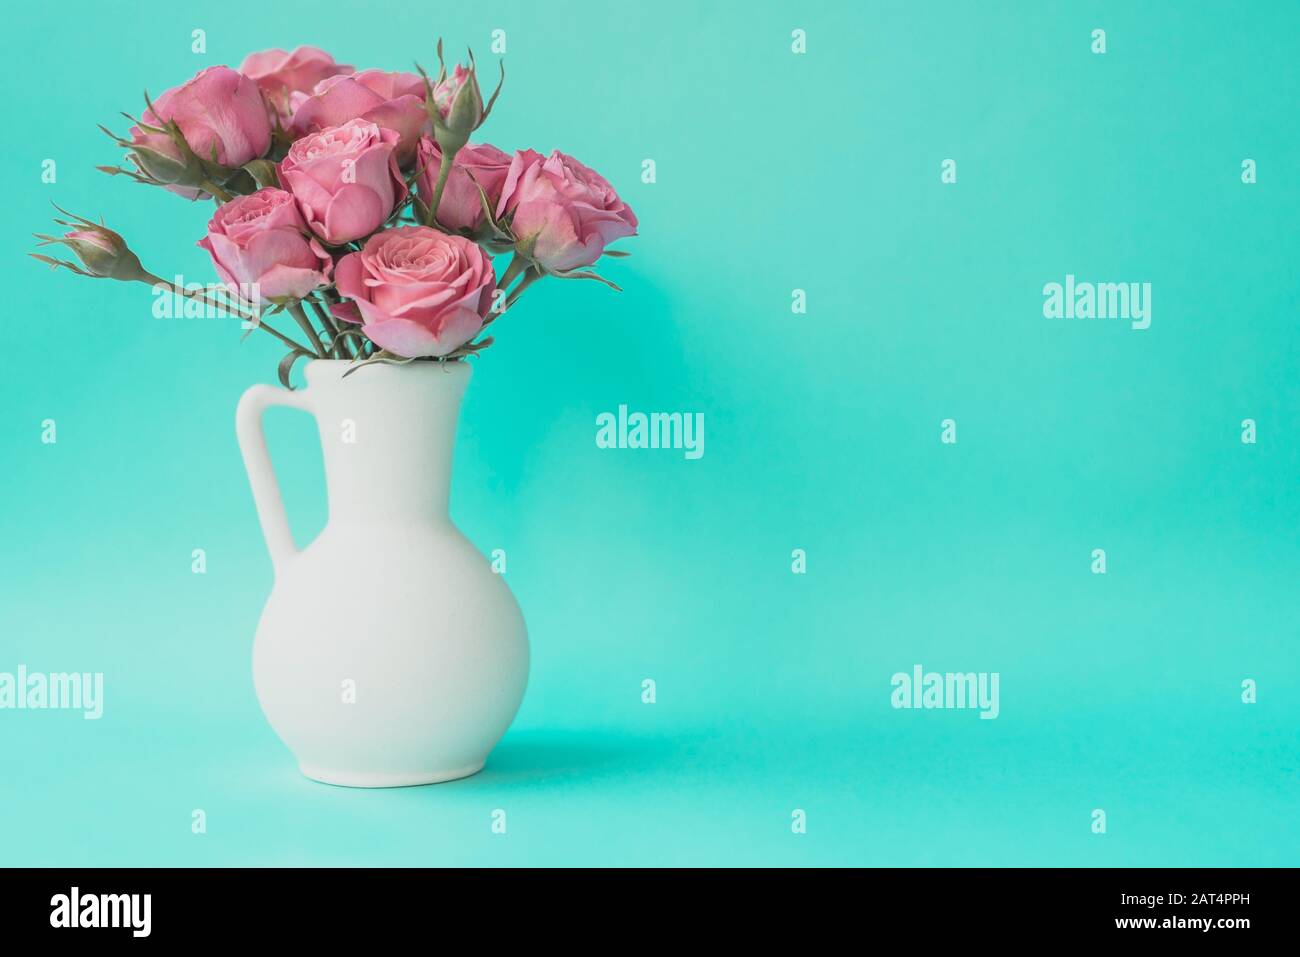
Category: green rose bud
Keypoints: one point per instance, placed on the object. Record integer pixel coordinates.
(455, 104)
(102, 252)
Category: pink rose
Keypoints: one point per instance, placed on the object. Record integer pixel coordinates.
(394, 101)
(564, 213)
(218, 110)
(261, 238)
(345, 180)
(418, 291)
(461, 206)
(280, 74)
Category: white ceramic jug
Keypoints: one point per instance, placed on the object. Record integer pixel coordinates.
(389, 653)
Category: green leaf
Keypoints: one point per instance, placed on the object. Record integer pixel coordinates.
(352, 334)
(587, 275)
(263, 173)
(487, 110)
(81, 219)
(113, 136)
(119, 171)
(488, 215)
(379, 358)
(56, 263)
(469, 349)
(286, 365)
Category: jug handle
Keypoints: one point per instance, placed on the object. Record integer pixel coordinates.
(261, 473)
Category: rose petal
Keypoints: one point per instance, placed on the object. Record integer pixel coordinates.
(355, 211)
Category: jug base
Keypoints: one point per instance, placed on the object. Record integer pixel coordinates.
(385, 779)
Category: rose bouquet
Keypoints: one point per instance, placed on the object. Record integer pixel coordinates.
(355, 204)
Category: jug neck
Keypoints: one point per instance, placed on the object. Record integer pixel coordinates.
(387, 433)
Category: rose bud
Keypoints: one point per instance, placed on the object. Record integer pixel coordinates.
(163, 161)
(417, 291)
(345, 180)
(261, 238)
(279, 75)
(391, 100)
(459, 101)
(475, 165)
(103, 253)
(563, 214)
(455, 103)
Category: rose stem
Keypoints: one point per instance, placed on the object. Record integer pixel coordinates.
(153, 280)
(359, 346)
(444, 170)
(517, 265)
(300, 317)
(216, 191)
(332, 297)
(340, 347)
(530, 277)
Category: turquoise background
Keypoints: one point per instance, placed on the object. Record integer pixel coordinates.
(775, 172)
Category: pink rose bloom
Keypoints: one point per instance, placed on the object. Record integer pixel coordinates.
(280, 74)
(461, 206)
(394, 101)
(345, 180)
(418, 291)
(218, 109)
(261, 238)
(564, 213)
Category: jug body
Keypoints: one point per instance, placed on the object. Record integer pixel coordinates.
(389, 653)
